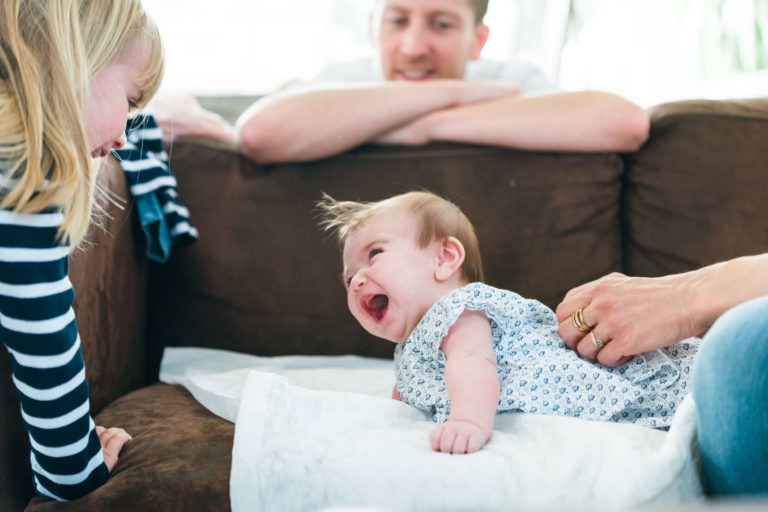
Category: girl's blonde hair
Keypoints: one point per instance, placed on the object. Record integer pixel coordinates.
(49, 51)
(438, 219)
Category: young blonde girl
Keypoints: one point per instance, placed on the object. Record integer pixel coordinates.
(70, 72)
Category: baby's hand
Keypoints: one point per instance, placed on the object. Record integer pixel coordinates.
(457, 437)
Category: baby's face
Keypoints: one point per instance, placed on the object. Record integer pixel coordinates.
(390, 280)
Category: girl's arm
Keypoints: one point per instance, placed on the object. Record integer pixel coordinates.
(472, 383)
(38, 327)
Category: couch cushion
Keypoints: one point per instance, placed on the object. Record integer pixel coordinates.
(264, 279)
(179, 458)
(697, 192)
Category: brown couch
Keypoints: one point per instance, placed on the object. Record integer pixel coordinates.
(263, 279)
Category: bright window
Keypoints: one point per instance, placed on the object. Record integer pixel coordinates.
(647, 50)
(254, 46)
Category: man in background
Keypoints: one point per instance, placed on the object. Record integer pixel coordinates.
(427, 83)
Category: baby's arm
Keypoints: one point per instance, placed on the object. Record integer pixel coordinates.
(472, 383)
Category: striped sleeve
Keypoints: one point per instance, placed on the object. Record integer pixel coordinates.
(38, 327)
(164, 219)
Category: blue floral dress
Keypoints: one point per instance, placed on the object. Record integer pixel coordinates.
(538, 373)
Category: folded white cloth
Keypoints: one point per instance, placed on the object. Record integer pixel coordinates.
(308, 438)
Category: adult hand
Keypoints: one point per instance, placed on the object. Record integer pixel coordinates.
(112, 441)
(182, 116)
(457, 437)
(629, 315)
(421, 130)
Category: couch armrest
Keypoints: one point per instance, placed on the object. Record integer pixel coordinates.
(110, 278)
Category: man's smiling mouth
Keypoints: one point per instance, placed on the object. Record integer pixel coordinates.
(415, 75)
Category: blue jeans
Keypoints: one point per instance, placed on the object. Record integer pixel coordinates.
(730, 387)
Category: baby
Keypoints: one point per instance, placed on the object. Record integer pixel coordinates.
(465, 350)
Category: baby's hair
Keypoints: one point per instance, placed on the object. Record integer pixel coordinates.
(438, 219)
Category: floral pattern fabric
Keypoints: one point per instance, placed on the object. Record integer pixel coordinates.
(538, 373)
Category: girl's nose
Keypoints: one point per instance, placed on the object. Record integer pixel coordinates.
(119, 142)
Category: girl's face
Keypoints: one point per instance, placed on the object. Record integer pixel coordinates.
(390, 280)
(114, 90)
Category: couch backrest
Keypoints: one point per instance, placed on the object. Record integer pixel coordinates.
(697, 192)
(109, 276)
(263, 279)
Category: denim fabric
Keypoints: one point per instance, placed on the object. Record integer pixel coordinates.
(730, 387)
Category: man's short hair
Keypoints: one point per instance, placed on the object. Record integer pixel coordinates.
(481, 8)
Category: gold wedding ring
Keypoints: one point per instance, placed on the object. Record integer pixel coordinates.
(577, 318)
(596, 342)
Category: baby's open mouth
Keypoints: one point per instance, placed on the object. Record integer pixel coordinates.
(377, 306)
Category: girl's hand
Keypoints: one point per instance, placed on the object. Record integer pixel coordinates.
(457, 437)
(112, 441)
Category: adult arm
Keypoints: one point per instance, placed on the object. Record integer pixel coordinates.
(636, 314)
(566, 121)
(181, 117)
(473, 386)
(307, 124)
(38, 327)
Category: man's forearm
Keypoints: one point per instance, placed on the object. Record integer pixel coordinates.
(314, 124)
(574, 121)
(317, 123)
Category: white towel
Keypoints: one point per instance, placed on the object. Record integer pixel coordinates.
(306, 440)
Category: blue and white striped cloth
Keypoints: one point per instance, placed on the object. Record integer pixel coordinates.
(163, 217)
(38, 327)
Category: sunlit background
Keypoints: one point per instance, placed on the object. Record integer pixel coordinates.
(650, 51)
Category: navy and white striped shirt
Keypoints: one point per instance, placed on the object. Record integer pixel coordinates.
(37, 322)
(38, 327)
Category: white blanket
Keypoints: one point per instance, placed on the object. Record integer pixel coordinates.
(315, 432)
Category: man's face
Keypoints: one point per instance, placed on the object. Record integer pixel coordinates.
(427, 39)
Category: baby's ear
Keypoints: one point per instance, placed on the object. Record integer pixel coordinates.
(450, 257)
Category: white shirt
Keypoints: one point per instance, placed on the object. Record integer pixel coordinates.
(368, 69)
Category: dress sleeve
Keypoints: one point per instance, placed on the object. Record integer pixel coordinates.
(39, 330)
